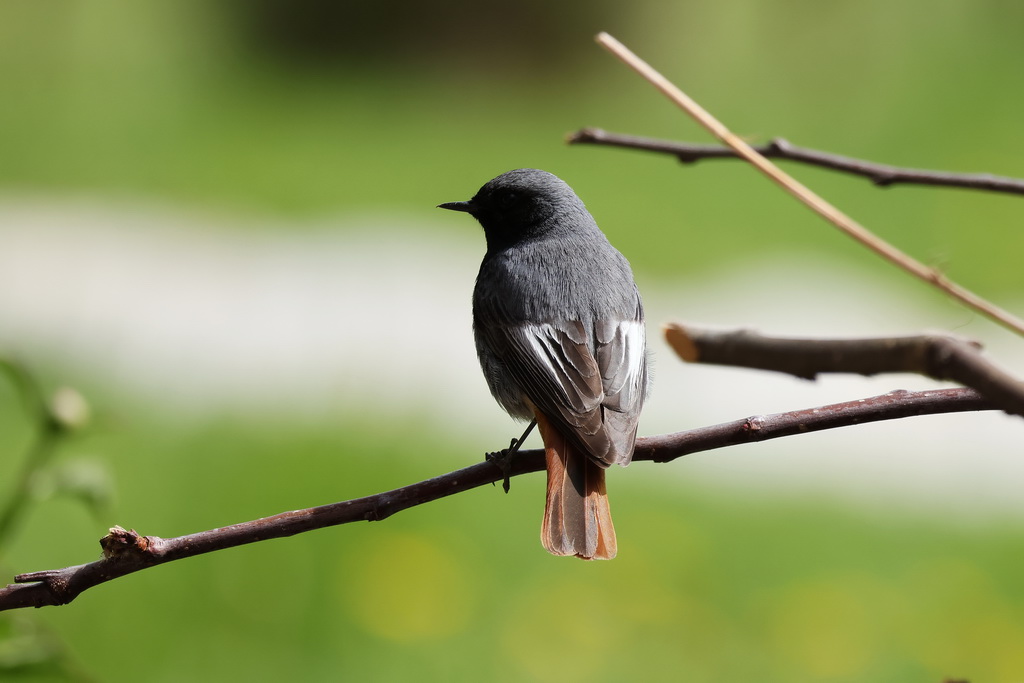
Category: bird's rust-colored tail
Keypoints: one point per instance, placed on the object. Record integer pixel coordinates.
(577, 519)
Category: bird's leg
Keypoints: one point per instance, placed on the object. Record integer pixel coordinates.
(503, 459)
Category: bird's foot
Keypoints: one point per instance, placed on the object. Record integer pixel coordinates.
(503, 459)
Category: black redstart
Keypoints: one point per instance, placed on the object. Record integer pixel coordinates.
(560, 335)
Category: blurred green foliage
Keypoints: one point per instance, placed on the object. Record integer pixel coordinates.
(204, 103)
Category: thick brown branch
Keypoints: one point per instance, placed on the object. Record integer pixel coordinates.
(941, 357)
(126, 552)
(882, 175)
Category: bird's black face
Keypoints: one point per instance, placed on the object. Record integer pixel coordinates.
(514, 207)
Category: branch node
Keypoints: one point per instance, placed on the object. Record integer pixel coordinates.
(753, 424)
(689, 157)
(779, 146)
(381, 510)
(56, 582)
(937, 277)
(120, 542)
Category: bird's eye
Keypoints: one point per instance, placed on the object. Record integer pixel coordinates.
(509, 199)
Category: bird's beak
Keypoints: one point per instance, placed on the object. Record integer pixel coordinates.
(457, 206)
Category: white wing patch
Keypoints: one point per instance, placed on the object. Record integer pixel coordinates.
(623, 363)
(569, 362)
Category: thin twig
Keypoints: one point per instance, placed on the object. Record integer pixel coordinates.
(892, 406)
(939, 356)
(37, 456)
(882, 175)
(126, 552)
(48, 431)
(805, 195)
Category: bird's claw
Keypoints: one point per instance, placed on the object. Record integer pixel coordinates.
(503, 461)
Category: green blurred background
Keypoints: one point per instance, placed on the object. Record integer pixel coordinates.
(313, 122)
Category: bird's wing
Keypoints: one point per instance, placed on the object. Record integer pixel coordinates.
(589, 381)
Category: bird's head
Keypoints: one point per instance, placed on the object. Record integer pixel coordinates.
(520, 205)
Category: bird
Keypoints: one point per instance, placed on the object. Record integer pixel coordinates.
(559, 329)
